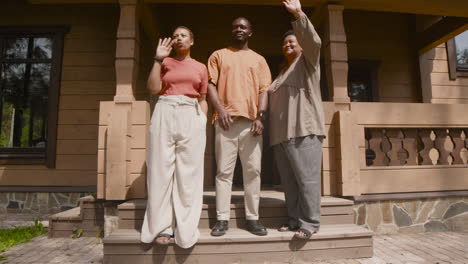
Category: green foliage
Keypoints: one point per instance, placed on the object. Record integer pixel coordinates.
(76, 232)
(17, 235)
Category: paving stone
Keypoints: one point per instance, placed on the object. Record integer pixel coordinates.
(435, 226)
(361, 215)
(21, 196)
(385, 229)
(387, 212)
(412, 229)
(401, 217)
(13, 205)
(4, 197)
(430, 247)
(423, 214)
(374, 215)
(456, 209)
(458, 223)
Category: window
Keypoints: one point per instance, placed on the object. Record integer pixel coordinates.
(457, 53)
(362, 80)
(30, 62)
(461, 51)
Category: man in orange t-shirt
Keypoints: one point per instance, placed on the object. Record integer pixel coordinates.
(238, 82)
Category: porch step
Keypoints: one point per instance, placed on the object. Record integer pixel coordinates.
(272, 211)
(88, 217)
(239, 246)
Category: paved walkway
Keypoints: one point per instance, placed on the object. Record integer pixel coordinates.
(434, 248)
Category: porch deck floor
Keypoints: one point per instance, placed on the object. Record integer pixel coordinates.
(402, 248)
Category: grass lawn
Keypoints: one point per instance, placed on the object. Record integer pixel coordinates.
(18, 235)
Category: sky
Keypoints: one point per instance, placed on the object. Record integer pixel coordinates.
(462, 41)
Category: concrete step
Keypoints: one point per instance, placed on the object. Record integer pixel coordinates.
(272, 211)
(239, 246)
(88, 217)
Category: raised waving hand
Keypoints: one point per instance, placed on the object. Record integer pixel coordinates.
(164, 48)
(293, 7)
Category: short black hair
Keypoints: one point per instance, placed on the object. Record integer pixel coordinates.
(192, 37)
(288, 33)
(248, 21)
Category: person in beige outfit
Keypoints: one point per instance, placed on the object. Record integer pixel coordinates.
(297, 124)
(176, 145)
(238, 84)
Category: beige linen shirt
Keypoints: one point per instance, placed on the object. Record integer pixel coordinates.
(295, 100)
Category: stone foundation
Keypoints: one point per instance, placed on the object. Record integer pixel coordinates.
(417, 215)
(27, 206)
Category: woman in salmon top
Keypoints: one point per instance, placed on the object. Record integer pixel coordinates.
(177, 138)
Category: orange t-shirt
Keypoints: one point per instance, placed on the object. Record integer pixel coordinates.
(240, 76)
(187, 77)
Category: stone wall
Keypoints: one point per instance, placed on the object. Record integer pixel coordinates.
(418, 215)
(35, 205)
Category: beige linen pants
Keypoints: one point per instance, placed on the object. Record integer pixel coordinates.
(175, 155)
(238, 139)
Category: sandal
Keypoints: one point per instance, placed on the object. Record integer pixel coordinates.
(286, 227)
(306, 234)
(164, 242)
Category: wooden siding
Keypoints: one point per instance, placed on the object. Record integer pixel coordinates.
(385, 38)
(88, 76)
(441, 89)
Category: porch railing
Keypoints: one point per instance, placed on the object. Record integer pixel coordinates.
(402, 147)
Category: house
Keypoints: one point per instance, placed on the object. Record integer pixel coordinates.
(395, 89)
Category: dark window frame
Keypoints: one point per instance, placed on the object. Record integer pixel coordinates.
(47, 155)
(372, 68)
(454, 70)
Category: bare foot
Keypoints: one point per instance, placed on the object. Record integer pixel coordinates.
(163, 240)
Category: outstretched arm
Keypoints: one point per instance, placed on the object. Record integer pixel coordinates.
(162, 51)
(305, 32)
(294, 7)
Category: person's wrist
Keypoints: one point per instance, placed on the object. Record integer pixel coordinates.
(158, 58)
(261, 116)
(298, 13)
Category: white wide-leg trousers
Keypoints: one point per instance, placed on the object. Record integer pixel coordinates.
(175, 156)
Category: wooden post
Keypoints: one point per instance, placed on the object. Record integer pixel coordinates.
(347, 155)
(116, 118)
(336, 56)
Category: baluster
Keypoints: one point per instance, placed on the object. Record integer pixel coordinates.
(375, 143)
(441, 137)
(395, 146)
(370, 154)
(456, 137)
(464, 150)
(410, 145)
(427, 145)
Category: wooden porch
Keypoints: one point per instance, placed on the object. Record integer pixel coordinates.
(414, 145)
(339, 237)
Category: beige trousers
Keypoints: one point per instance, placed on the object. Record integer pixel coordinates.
(238, 140)
(175, 155)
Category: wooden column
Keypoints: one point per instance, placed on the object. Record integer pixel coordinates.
(123, 118)
(336, 56)
(347, 156)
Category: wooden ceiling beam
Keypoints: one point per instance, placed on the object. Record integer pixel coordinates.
(55, 2)
(440, 32)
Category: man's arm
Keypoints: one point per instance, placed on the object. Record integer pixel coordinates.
(257, 124)
(224, 118)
